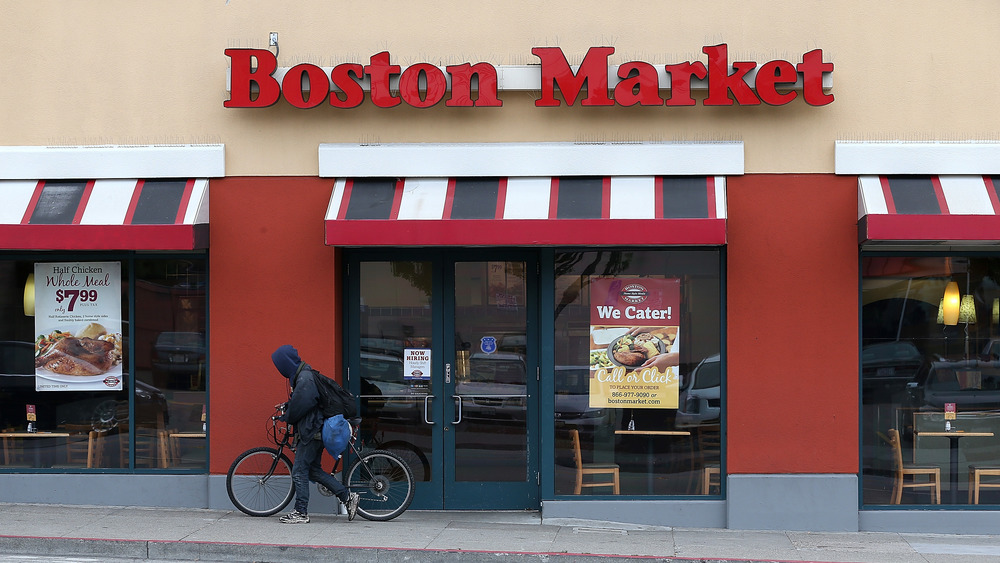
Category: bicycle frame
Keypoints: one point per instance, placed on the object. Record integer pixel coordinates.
(281, 435)
(260, 482)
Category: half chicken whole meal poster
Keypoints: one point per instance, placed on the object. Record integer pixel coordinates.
(634, 343)
(78, 326)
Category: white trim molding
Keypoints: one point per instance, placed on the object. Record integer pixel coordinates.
(431, 160)
(911, 157)
(112, 161)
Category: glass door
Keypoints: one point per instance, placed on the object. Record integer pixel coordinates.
(442, 352)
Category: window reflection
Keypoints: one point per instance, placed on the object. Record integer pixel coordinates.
(925, 375)
(162, 426)
(649, 451)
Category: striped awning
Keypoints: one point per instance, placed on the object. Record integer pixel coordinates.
(115, 214)
(617, 210)
(929, 209)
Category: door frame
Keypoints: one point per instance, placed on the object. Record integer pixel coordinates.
(441, 492)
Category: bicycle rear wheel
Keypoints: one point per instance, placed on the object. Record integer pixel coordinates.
(384, 483)
(255, 488)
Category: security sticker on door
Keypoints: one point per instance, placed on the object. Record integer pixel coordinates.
(417, 363)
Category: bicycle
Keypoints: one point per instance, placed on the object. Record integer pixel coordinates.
(259, 481)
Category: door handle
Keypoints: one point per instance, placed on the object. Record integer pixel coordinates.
(459, 397)
(427, 400)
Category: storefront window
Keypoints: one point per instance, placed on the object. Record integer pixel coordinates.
(930, 375)
(106, 372)
(638, 372)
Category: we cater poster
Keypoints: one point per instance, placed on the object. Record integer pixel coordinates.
(634, 340)
(78, 326)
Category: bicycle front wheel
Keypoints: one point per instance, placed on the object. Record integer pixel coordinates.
(384, 484)
(260, 482)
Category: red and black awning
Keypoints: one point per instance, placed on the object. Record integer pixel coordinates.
(929, 209)
(161, 214)
(616, 210)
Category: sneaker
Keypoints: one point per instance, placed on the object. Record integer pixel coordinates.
(294, 517)
(352, 505)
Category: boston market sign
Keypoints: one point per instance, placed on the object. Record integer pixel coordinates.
(256, 81)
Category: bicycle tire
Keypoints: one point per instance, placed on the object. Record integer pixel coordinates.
(384, 484)
(250, 492)
(414, 457)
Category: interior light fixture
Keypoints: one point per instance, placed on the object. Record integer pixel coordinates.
(29, 296)
(996, 311)
(967, 310)
(950, 304)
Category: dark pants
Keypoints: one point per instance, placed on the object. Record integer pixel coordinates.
(306, 467)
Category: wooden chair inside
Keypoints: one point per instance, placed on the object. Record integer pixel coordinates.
(78, 445)
(151, 448)
(711, 476)
(902, 470)
(608, 469)
(976, 473)
(12, 454)
(709, 444)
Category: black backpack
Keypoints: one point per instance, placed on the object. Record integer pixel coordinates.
(334, 399)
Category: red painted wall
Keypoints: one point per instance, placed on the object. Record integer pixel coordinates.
(792, 314)
(272, 283)
(792, 320)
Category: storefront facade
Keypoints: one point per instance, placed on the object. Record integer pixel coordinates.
(568, 262)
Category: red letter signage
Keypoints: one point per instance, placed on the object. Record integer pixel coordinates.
(556, 72)
(256, 81)
(243, 75)
(721, 83)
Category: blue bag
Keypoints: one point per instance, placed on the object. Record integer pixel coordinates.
(336, 434)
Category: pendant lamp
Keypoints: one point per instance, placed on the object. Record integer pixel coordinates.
(29, 296)
(967, 311)
(950, 304)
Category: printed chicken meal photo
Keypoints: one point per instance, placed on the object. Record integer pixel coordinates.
(633, 350)
(92, 351)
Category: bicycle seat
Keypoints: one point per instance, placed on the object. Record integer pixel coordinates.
(355, 421)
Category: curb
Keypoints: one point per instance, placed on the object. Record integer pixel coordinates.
(274, 553)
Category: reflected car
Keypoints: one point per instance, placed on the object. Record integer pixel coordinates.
(572, 402)
(970, 384)
(381, 381)
(179, 352)
(991, 352)
(890, 364)
(700, 400)
(495, 387)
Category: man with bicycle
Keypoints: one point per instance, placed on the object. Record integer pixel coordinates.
(305, 413)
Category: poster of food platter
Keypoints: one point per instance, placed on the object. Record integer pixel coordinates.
(78, 326)
(634, 342)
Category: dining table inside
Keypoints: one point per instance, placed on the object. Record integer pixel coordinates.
(39, 441)
(953, 436)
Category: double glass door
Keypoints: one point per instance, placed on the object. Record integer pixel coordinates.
(441, 348)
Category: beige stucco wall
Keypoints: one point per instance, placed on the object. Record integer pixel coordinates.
(126, 72)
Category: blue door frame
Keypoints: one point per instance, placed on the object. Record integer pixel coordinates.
(461, 431)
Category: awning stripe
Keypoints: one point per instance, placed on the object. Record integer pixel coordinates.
(84, 200)
(993, 186)
(533, 202)
(116, 206)
(942, 201)
(928, 208)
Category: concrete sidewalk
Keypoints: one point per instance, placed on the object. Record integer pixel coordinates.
(221, 535)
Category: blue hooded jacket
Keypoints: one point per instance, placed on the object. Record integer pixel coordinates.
(304, 410)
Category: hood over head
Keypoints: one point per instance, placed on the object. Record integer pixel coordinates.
(286, 359)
